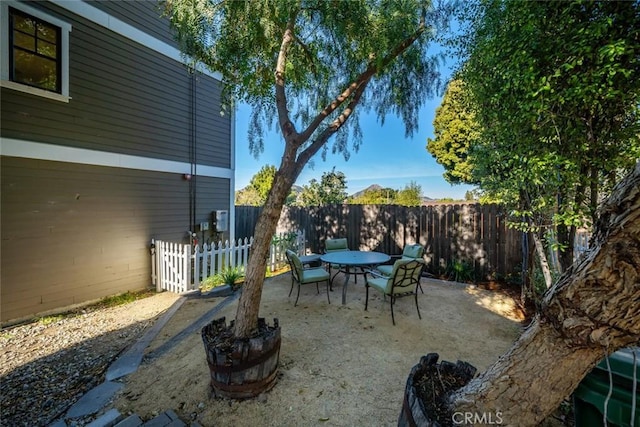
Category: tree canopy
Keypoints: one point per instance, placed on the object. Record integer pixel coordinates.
(374, 196)
(555, 89)
(312, 66)
(330, 190)
(336, 50)
(455, 131)
(255, 194)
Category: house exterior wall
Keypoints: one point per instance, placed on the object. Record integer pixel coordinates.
(143, 14)
(86, 184)
(117, 82)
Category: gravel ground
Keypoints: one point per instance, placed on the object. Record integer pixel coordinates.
(46, 367)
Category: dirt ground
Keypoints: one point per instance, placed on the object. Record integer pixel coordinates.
(339, 365)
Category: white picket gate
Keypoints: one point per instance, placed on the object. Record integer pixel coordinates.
(171, 266)
(180, 268)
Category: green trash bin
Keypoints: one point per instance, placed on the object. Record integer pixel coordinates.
(590, 397)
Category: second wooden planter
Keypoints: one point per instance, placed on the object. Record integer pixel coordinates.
(414, 410)
(241, 368)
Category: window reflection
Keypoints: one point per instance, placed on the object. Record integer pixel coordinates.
(35, 59)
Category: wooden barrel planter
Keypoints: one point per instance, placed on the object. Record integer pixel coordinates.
(241, 368)
(427, 388)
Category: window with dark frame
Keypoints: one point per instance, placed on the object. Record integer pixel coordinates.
(34, 52)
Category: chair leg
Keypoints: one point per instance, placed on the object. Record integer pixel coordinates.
(366, 298)
(297, 296)
(328, 300)
(318, 288)
(393, 319)
(291, 290)
(418, 308)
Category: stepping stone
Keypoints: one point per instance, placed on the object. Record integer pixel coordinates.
(94, 400)
(108, 419)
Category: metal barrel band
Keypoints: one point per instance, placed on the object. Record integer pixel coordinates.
(247, 387)
(225, 369)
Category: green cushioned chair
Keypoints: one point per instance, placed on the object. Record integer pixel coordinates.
(336, 245)
(306, 275)
(403, 281)
(410, 252)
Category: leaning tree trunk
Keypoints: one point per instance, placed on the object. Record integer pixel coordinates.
(246, 320)
(593, 310)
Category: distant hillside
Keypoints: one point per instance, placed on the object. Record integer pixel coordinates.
(372, 187)
(375, 187)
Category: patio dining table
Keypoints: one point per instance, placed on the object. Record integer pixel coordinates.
(352, 260)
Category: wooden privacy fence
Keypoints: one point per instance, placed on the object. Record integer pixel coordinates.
(179, 268)
(474, 234)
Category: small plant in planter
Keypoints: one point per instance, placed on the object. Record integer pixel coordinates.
(229, 276)
(232, 276)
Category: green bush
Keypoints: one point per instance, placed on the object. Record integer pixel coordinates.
(286, 240)
(228, 276)
(460, 271)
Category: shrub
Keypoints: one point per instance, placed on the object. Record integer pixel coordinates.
(460, 271)
(228, 276)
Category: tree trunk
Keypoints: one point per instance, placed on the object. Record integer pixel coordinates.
(246, 320)
(566, 237)
(593, 310)
(529, 297)
(542, 256)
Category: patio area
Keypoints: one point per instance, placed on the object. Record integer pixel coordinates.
(339, 365)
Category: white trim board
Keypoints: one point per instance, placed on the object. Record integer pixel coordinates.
(36, 150)
(99, 17)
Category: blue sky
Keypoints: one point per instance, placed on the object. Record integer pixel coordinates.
(385, 157)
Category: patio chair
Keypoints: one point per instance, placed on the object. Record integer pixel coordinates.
(335, 245)
(410, 252)
(306, 275)
(403, 281)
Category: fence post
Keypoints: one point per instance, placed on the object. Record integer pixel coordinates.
(217, 257)
(248, 251)
(187, 273)
(157, 265)
(154, 280)
(198, 264)
(272, 256)
(166, 273)
(235, 256)
(161, 267)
